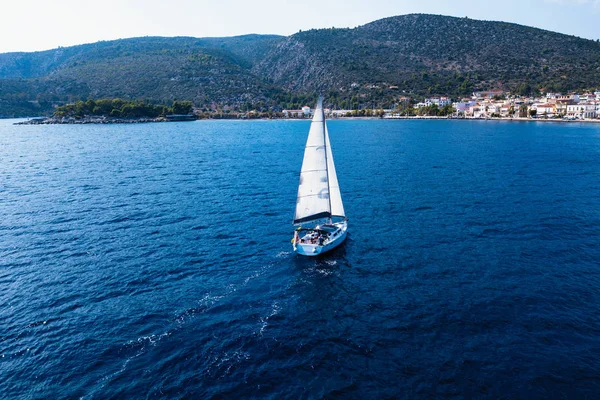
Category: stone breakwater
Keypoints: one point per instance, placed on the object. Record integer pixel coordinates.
(90, 120)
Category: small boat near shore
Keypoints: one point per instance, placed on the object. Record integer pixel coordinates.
(320, 217)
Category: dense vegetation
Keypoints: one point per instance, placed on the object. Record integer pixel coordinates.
(412, 55)
(429, 54)
(118, 108)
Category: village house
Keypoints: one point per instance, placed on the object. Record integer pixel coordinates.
(561, 108)
(462, 107)
(494, 107)
(562, 103)
(547, 109)
(488, 94)
(590, 110)
(305, 111)
(438, 101)
(581, 111)
(476, 111)
(505, 110)
(292, 113)
(487, 108)
(586, 97)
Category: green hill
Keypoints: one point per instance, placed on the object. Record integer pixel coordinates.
(420, 54)
(430, 54)
(155, 69)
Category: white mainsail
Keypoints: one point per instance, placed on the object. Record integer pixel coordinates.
(318, 193)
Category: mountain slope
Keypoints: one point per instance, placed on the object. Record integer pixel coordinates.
(431, 53)
(155, 68)
(247, 49)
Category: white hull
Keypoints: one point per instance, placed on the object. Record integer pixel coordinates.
(314, 249)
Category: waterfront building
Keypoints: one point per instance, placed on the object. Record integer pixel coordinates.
(438, 101)
(462, 107)
(548, 110)
(292, 113)
(581, 110)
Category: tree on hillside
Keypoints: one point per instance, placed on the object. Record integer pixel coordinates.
(182, 107)
(448, 109)
(524, 89)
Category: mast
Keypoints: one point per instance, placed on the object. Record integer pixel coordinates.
(325, 134)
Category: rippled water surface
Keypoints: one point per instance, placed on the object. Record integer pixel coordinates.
(154, 260)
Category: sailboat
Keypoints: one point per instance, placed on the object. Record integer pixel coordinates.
(322, 223)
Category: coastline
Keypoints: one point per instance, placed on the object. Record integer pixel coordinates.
(103, 120)
(109, 120)
(595, 121)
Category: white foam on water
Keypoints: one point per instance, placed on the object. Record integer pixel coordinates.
(323, 271)
(231, 360)
(264, 321)
(203, 304)
(144, 342)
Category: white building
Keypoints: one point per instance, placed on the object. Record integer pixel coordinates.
(590, 110)
(476, 111)
(581, 110)
(292, 113)
(463, 106)
(505, 110)
(438, 101)
(545, 109)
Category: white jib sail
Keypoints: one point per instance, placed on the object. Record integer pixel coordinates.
(337, 207)
(313, 191)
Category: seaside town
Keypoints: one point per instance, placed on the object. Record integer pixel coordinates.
(495, 104)
(484, 105)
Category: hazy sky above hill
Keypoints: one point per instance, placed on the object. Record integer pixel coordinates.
(30, 25)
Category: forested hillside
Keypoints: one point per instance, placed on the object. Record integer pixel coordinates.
(411, 55)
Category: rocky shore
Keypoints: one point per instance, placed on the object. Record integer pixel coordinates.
(104, 120)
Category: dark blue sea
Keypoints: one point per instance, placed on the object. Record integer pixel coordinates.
(154, 261)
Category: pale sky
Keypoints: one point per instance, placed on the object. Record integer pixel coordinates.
(31, 25)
